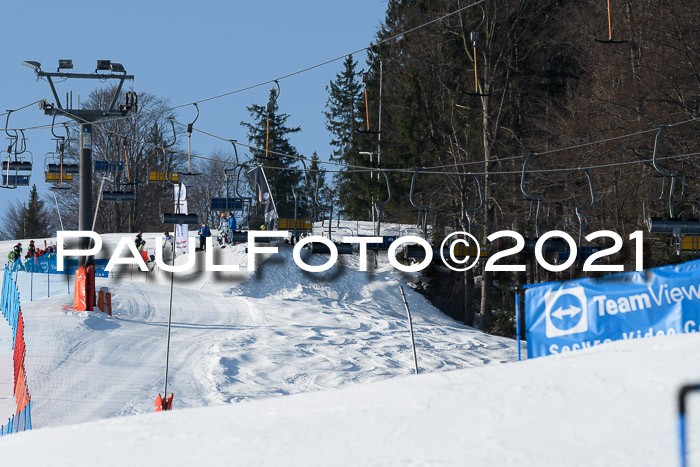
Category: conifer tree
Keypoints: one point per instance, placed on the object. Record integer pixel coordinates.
(35, 216)
(345, 115)
(280, 153)
(29, 220)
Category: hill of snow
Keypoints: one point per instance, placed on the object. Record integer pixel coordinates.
(612, 405)
(235, 336)
(239, 339)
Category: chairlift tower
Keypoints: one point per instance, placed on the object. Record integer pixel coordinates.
(85, 117)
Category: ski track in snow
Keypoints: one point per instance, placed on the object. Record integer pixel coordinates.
(235, 336)
(242, 339)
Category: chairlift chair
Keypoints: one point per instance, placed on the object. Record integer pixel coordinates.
(582, 221)
(610, 40)
(688, 245)
(474, 36)
(163, 175)
(423, 211)
(379, 205)
(467, 212)
(53, 174)
(12, 181)
(554, 245)
(115, 168)
(176, 217)
(322, 249)
(323, 207)
(190, 128)
(269, 110)
(365, 80)
(16, 164)
(672, 224)
(60, 171)
(118, 196)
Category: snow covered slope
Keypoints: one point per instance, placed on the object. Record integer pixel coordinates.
(612, 405)
(239, 339)
(235, 336)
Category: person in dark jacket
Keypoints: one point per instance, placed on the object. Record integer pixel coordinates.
(15, 258)
(203, 233)
(31, 250)
(139, 242)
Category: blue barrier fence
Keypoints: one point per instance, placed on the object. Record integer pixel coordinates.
(47, 264)
(11, 310)
(20, 422)
(39, 277)
(9, 302)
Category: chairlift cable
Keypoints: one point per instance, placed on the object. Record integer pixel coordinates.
(20, 108)
(474, 38)
(341, 57)
(568, 148)
(353, 168)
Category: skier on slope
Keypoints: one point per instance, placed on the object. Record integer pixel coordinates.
(168, 240)
(139, 241)
(223, 228)
(31, 250)
(203, 233)
(30, 257)
(15, 257)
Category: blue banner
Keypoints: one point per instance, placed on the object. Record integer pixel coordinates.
(573, 315)
(47, 263)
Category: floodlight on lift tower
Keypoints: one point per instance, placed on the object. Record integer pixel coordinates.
(36, 66)
(65, 64)
(103, 65)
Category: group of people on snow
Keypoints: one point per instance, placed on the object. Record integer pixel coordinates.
(30, 264)
(227, 226)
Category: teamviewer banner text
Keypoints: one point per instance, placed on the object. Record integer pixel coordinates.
(573, 315)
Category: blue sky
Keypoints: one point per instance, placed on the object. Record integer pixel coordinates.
(184, 51)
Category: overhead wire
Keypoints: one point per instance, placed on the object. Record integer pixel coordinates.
(326, 62)
(19, 108)
(251, 147)
(564, 169)
(424, 169)
(568, 148)
(411, 170)
(350, 168)
(357, 168)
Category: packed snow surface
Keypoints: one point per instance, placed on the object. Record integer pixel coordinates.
(240, 338)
